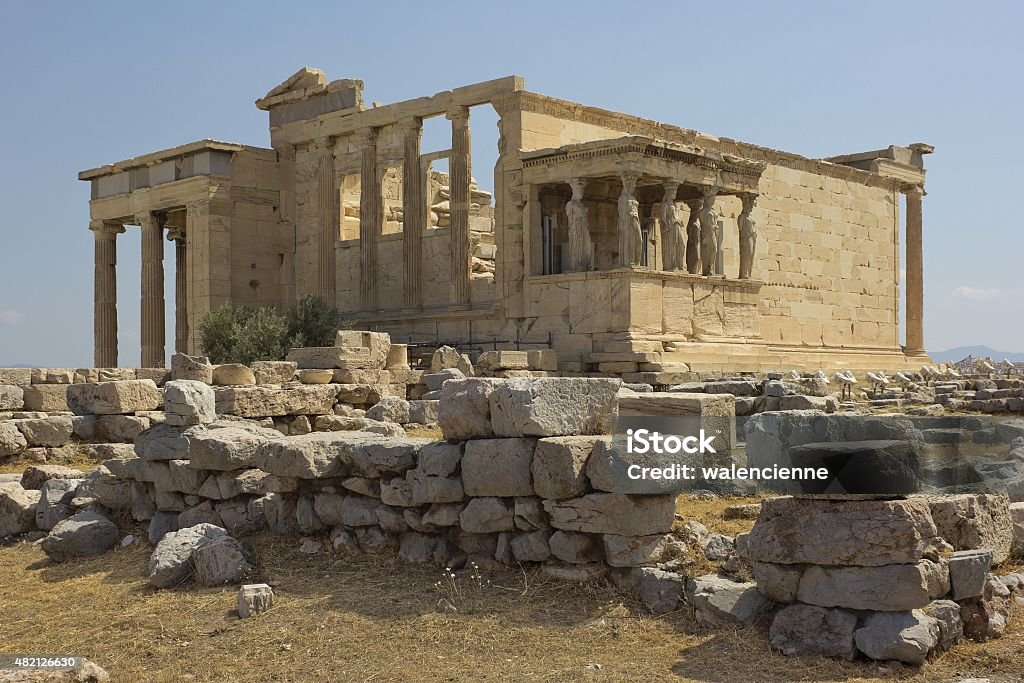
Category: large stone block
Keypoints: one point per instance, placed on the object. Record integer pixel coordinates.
(867, 533)
(903, 636)
(889, 588)
(12, 441)
(613, 513)
(968, 570)
(17, 509)
(465, 409)
(114, 398)
(807, 630)
(81, 535)
(12, 397)
(225, 449)
(51, 432)
(1017, 517)
(196, 368)
(554, 406)
(487, 516)
(189, 402)
(719, 602)
(233, 374)
(48, 398)
(974, 521)
(859, 467)
(636, 551)
(498, 467)
(266, 401)
(309, 456)
(559, 466)
(273, 371)
(329, 357)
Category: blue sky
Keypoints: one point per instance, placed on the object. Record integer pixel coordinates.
(90, 83)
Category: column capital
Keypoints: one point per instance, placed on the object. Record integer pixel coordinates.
(748, 199)
(324, 144)
(914, 190)
(365, 137)
(147, 219)
(409, 125)
(176, 234)
(458, 114)
(105, 230)
(199, 207)
(286, 152)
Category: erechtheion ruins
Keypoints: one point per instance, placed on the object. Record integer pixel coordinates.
(629, 246)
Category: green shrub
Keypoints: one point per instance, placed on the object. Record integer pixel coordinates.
(313, 323)
(236, 334)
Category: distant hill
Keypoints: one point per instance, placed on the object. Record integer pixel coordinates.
(961, 352)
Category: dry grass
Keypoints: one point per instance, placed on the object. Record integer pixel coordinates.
(371, 620)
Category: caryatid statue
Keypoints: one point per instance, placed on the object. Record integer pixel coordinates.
(748, 235)
(673, 239)
(708, 232)
(630, 236)
(693, 237)
(581, 247)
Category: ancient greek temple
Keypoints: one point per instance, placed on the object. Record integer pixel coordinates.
(628, 245)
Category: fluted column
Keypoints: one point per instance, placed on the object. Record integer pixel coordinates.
(459, 199)
(329, 217)
(414, 212)
(177, 235)
(153, 352)
(371, 216)
(915, 271)
(105, 293)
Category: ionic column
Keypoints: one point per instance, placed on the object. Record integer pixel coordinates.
(371, 215)
(177, 235)
(414, 214)
(329, 217)
(152, 291)
(459, 198)
(630, 236)
(915, 271)
(105, 293)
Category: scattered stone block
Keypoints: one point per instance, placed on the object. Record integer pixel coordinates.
(777, 582)
(390, 409)
(273, 371)
(465, 409)
(635, 551)
(189, 402)
(83, 534)
(17, 509)
(253, 599)
(197, 368)
(35, 476)
(12, 441)
(968, 570)
(233, 374)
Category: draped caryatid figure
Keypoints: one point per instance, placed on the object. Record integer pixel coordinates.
(631, 239)
(708, 232)
(581, 246)
(748, 235)
(693, 237)
(673, 238)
